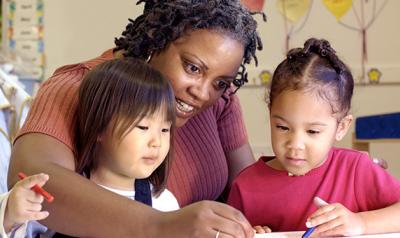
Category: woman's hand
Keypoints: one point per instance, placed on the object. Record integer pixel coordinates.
(205, 219)
(262, 229)
(24, 204)
(336, 220)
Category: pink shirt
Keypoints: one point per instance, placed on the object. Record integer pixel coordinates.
(270, 197)
(199, 167)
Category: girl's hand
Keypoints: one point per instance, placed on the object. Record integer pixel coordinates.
(262, 229)
(24, 204)
(336, 220)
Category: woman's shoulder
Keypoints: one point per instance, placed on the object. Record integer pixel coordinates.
(67, 74)
(78, 70)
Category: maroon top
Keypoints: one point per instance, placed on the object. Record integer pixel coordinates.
(199, 167)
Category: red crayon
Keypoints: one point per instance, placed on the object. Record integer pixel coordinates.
(38, 189)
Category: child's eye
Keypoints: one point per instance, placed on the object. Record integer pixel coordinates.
(313, 132)
(283, 128)
(165, 130)
(144, 128)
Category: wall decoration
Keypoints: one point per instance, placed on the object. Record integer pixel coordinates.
(374, 76)
(25, 34)
(340, 7)
(265, 77)
(254, 5)
(1, 23)
(293, 11)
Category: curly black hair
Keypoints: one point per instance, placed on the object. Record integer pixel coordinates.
(164, 21)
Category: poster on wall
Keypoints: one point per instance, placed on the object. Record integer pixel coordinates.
(365, 12)
(1, 23)
(254, 5)
(25, 35)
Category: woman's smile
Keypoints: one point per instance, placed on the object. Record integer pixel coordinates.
(184, 109)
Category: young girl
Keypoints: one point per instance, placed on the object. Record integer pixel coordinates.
(124, 128)
(21, 204)
(309, 103)
(124, 125)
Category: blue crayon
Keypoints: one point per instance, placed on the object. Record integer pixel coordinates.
(308, 232)
(320, 203)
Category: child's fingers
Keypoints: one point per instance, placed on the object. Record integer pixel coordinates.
(262, 229)
(321, 216)
(267, 229)
(259, 229)
(33, 197)
(319, 202)
(330, 226)
(323, 210)
(40, 215)
(26, 194)
(334, 231)
(37, 179)
(34, 207)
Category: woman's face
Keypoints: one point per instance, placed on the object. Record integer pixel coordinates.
(199, 66)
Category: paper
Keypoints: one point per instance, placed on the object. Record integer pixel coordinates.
(298, 234)
(280, 235)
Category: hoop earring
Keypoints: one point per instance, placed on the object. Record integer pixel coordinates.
(149, 57)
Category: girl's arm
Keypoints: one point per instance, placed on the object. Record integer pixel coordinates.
(385, 220)
(336, 220)
(81, 208)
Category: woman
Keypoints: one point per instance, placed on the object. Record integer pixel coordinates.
(199, 47)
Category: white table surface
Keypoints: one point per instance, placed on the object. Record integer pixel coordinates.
(298, 234)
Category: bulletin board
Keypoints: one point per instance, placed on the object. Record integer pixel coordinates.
(23, 27)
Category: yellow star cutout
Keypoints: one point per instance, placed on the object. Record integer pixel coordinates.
(374, 75)
(265, 77)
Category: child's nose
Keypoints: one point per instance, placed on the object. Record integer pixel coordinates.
(155, 140)
(296, 142)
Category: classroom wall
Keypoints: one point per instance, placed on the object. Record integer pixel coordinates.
(72, 34)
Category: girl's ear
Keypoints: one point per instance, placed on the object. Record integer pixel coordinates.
(343, 127)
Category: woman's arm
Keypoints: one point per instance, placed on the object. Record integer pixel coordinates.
(81, 208)
(238, 160)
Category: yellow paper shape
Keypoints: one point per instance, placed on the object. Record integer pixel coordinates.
(338, 7)
(265, 77)
(293, 10)
(374, 75)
